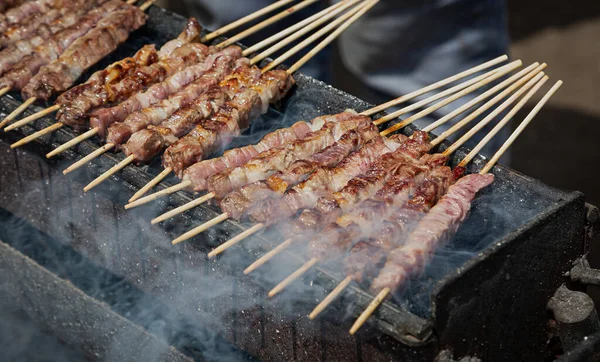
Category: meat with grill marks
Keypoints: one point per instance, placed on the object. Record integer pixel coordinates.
(390, 223)
(86, 51)
(104, 117)
(405, 163)
(120, 132)
(16, 51)
(200, 172)
(52, 18)
(242, 109)
(433, 230)
(17, 14)
(77, 101)
(322, 182)
(151, 141)
(270, 161)
(108, 85)
(239, 201)
(48, 52)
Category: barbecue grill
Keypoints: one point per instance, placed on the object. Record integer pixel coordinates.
(118, 289)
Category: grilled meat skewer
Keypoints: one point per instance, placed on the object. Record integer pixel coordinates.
(205, 138)
(149, 142)
(239, 201)
(366, 255)
(21, 12)
(120, 132)
(29, 26)
(104, 117)
(16, 51)
(199, 173)
(433, 229)
(270, 161)
(86, 51)
(140, 71)
(50, 51)
(320, 183)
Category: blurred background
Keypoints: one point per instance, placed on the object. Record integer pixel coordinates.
(561, 146)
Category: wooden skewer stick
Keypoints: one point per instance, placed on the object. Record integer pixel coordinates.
(169, 190)
(201, 228)
(131, 2)
(5, 90)
(88, 158)
(536, 83)
(245, 19)
(268, 256)
(505, 70)
(482, 96)
(36, 135)
(282, 34)
(146, 5)
(31, 118)
(231, 242)
(287, 12)
(109, 173)
(501, 124)
(349, 16)
(295, 275)
(141, 192)
(370, 309)
(330, 297)
(332, 36)
(436, 85)
(65, 146)
(520, 128)
(183, 208)
(20, 109)
(306, 29)
(437, 96)
(530, 79)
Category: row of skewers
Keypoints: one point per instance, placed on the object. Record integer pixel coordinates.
(346, 191)
(336, 183)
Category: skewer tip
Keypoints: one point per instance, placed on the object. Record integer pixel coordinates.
(200, 229)
(169, 190)
(369, 310)
(231, 242)
(268, 256)
(109, 173)
(292, 277)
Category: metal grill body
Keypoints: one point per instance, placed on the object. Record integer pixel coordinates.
(491, 305)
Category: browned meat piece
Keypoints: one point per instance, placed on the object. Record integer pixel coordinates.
(84, 52)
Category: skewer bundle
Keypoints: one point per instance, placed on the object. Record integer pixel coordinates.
(33, 91)
(378, 180)
(192, 91)
(71, 112)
